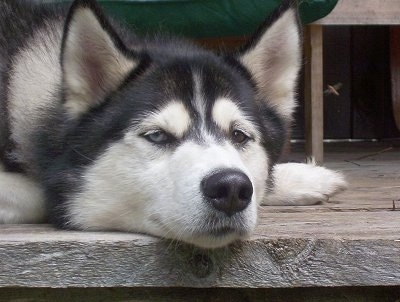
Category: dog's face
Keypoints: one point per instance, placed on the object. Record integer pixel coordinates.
(183, 139)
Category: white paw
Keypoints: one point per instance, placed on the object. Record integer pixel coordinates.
(303, 184)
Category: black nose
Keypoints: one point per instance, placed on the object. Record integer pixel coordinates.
(228, 190)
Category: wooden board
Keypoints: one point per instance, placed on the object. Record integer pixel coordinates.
(287, 250)
(313, 94)
(363, 12)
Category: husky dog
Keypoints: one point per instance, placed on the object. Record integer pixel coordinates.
(102, 130)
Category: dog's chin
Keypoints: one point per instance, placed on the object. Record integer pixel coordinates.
(216, 238)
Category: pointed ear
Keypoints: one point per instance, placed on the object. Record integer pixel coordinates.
(273, 58)
(94, 60)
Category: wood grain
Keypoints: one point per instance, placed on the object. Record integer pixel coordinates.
(312, 253)
(363, 12)
(313, 95)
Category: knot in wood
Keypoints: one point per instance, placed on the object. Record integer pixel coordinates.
(201, 265)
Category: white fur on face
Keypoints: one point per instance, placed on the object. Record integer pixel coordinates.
(226, 114)
(93, 66)
(173, 118)
(199, 97)
(137, 186)
(274, 63)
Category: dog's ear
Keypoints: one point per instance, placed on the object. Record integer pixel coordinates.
(273, 58)
(94, 59)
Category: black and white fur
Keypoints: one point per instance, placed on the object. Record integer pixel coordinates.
(102, 130)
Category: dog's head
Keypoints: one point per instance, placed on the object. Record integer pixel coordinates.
(170, 139)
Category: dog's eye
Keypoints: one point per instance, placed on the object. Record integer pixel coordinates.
(158, 137)
(239, 137)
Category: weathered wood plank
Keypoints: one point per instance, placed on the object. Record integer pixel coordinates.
(363, 12)
(387, 294)
(313, 94)
(287, 250)
(345, 226)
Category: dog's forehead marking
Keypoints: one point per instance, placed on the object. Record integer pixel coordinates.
(198, 96)
(200, 107)
(173, 118)
(225, 112)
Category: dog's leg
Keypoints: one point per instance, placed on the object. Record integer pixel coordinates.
(21, 199)
(303, 184)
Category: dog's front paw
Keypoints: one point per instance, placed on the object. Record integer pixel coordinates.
(303, 184)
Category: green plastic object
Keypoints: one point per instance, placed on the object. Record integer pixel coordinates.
(205, 18)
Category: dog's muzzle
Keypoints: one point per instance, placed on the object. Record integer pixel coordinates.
(228, 190)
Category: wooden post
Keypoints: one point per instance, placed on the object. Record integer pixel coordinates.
(395, 71)
(314, 119)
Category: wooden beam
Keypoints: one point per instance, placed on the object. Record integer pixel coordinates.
(287, 250)
(314, 111)
(363, 12)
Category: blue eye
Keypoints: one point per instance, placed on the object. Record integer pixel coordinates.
(158, 137)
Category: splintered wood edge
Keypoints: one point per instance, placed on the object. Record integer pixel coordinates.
(283, 252)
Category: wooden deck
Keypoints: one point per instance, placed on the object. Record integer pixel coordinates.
(353, 240)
